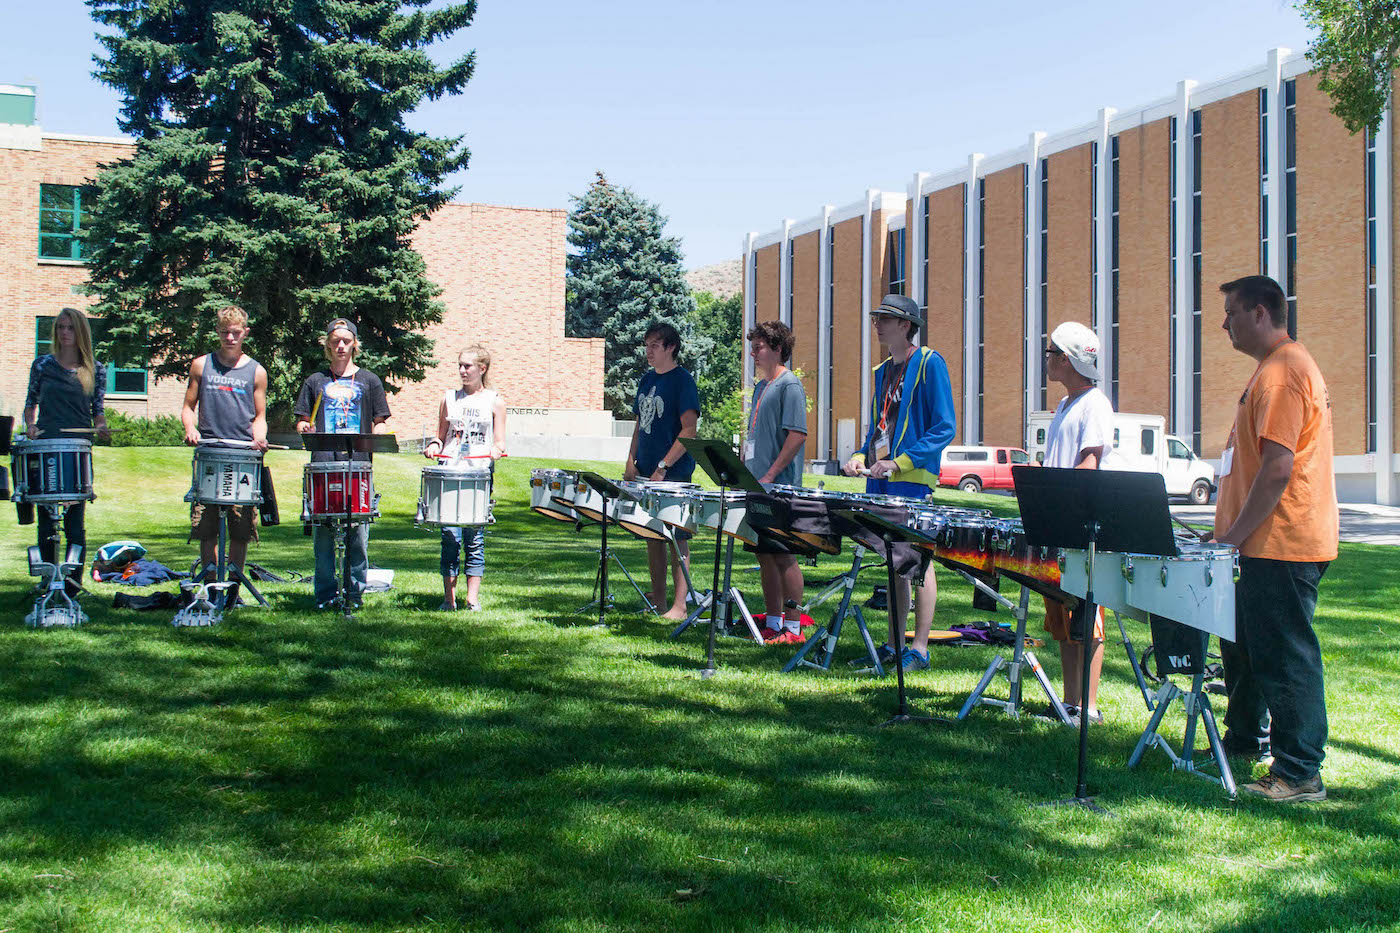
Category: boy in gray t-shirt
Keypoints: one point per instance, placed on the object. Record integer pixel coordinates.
(777, 430)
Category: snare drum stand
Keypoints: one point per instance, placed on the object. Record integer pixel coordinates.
(1197, 705)
(54, 578)
(1020, 658)
(227, 575)
(825, 637)
(729, 596)
(602, 595)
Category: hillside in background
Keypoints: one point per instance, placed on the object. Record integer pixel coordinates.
(722, 279)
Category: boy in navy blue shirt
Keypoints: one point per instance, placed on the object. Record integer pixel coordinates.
(667, 409)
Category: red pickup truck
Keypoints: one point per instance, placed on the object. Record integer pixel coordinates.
(973, 469)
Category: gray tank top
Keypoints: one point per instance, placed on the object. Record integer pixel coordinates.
(226, 399)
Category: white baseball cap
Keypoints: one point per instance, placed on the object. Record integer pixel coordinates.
(1081, 345)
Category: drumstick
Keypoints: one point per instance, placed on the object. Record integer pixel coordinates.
(472, 457)
(1194, 531)
(80, 430)
(230, 442)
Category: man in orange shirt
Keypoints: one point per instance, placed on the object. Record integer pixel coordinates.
(1278, 506)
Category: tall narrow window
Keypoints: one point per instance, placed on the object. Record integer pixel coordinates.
(1290, 202)
(1113, 280)
(1263, 181)
(1174, 367)
(1371, 259)
(981, 305)
(1094, 236)
(894, 265)
(792, 285)
(1044, 314)
(1196, 280)
(923, 239)
(63, 211)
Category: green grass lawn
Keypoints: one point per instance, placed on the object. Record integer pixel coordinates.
(520, 769)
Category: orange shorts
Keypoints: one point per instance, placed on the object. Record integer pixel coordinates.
(1057, 622)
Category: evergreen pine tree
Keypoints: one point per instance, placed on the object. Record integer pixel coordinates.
(272, 168)
(624, 275)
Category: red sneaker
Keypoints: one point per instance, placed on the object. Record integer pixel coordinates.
(771, 636)
(790, 638)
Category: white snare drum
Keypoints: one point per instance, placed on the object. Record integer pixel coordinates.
(52, 471)
(588, 503)
(450, 498)
(334, 488)
(547, 488)
(673, 503)
(226, 476)
(735, 524)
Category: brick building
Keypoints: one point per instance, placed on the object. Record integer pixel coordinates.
(1128, 224)
(501, 270)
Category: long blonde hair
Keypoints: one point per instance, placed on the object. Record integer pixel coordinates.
(483, 356)
(82, 339)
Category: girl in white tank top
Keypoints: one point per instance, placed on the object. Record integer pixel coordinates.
(472, 436)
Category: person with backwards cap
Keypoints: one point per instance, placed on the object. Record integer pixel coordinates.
(341, 399)
(911, 421)
(1080, 437)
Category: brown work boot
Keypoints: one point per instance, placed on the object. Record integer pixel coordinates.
(1279, 789)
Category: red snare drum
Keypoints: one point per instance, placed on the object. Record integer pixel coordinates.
(327, 486)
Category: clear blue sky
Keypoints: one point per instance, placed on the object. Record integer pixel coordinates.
(733, 115)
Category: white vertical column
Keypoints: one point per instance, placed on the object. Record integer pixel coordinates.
(785, 275)
(1103, 249)
(750, 309)
(1273, 182)
(916, 232)
(824, 336)
(866, 252)
(1385, 345)
(972, 335)
(1181, 311)
(1035, 313)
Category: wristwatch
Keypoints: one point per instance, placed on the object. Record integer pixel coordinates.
(663, 465)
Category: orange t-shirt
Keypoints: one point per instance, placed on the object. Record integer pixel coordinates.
(1285, 402)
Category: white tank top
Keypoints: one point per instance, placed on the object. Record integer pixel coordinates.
(470, 424)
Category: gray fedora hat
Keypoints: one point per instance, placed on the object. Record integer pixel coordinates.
(902, 307)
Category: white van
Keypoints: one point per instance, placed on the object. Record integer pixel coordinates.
(1142, 444)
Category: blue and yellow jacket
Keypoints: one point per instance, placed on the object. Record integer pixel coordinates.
(926, 421)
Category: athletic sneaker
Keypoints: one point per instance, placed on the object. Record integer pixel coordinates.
(771, 635)
(1279, 789)
(914, 660)
(790, 638)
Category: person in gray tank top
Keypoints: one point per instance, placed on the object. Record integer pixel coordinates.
(226, 400)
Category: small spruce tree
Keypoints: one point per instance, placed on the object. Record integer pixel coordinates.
(623, 275)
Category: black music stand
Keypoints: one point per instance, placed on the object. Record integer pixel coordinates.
(725, 469)
(610, 492)
(348, 444)
(1091, 509)
(889, 533)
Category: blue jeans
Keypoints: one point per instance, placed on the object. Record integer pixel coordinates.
(327, 571)
(472, 540)
(1273, 668)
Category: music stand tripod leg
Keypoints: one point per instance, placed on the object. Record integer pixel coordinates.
(646, 602)
(730, 596)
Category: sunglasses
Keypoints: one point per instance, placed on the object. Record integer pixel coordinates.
(1054, 351)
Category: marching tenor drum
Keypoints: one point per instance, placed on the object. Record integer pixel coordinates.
(450, 497)
(735, 524)
(1015, 557)
(52, 471)
(225, 476)
(547, 494)
(331, 489)
(634, 515)
(672, 503)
